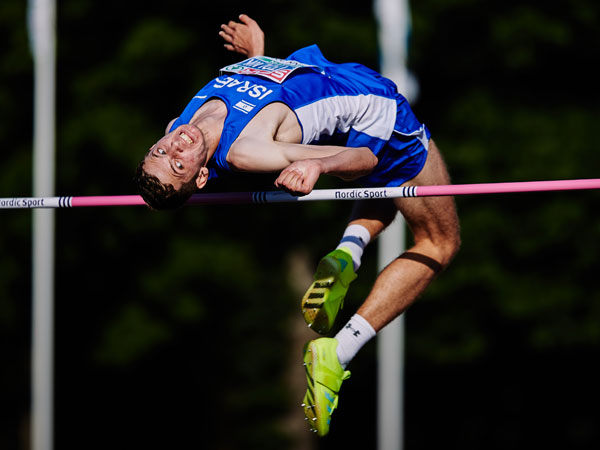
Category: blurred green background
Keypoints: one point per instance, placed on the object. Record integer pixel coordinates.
(177, 330)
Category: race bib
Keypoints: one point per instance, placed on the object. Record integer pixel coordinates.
(273, 69)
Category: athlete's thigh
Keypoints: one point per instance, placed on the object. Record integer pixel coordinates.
(430, 218)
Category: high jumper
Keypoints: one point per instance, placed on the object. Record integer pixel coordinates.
(303, 117)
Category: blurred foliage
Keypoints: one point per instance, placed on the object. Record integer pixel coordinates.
(171, 328)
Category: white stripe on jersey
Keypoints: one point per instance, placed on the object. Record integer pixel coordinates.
(370, 114)
(419, 133)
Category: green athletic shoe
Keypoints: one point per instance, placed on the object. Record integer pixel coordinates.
(325, 296)
(324, 376)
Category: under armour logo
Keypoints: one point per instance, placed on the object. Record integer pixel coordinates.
(354, 332)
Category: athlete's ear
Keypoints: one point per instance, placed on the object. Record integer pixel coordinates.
(202, 177)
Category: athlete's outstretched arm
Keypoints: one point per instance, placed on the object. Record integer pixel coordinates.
(244, 37)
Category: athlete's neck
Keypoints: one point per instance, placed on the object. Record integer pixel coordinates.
(210, 119)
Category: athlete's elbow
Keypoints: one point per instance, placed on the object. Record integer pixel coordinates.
(372, 161)
(368, 162)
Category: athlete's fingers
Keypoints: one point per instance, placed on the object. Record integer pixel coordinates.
(279, 181)
(304, 186)
(294, 189)
(296, 183)
(285, 178)
(244, 18)
(305, 179)
(300, 188)
(282, 183)
(300, 184)
(288, 179)
(247, 20)
(227, 37)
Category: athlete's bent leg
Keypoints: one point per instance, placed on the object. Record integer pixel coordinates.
(434, 224)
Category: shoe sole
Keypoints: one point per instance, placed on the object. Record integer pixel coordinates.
(311, 409)
(313, 302)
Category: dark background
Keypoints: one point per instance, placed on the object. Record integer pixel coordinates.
(173, 330)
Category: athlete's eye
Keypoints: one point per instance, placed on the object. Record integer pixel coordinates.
(161, 151)
(178, 164)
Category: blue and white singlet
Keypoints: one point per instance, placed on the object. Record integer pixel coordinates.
(338, 104)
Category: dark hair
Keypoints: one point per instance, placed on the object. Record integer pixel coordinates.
(158, 195)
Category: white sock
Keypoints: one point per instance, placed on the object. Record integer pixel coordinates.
(352, 337)
(355, 239)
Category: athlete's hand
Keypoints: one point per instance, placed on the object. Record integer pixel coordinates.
(246, 37)
(300, 177)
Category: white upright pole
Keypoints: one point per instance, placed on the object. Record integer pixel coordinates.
(42, 18)
(393, 18)
(390, 351)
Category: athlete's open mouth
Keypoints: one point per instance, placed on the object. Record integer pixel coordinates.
(186, 138)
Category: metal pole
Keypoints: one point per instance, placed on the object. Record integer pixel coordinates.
(390, 350)
(42, 15)
(393, 20)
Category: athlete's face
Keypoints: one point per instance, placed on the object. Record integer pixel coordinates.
(178, 157)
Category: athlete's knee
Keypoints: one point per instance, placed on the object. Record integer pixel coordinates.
(448, 244)
(436, 257)
(442, 245)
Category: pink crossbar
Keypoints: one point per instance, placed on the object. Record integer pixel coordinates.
(108, 200)
(316, 195)
(500, 188)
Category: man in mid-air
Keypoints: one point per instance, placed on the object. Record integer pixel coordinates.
(301, 118)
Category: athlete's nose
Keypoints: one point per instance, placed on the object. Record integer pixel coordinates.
(175, 147)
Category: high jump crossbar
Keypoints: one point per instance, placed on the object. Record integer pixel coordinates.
(316, 195)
